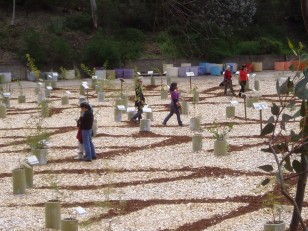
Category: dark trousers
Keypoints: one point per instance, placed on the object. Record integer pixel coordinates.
(173, 110)
(228, 84)
(243, 85)
(138, 115)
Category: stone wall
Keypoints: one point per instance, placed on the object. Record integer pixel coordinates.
(268, 61)
(18, 71)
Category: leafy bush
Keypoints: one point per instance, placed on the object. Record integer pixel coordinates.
(167, 45)
(131, 42)
(33, 44)
(100, 49)
(268, 46)
(82, 22)
(57, 25)
(60, 51)
(248, 48)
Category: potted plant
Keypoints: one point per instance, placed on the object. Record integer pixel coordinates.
(19, 180)
(70, 222)
(53, 206)
(220, 132)
(195, 120)
(21, 97)
(273, 206)
(38, 139)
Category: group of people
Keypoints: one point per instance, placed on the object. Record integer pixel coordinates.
(243, 77)
(85, 122)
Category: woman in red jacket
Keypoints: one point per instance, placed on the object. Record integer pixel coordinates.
(228, 80)
(243, 78)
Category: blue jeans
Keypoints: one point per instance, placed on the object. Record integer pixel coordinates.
(87, 144)
(173, 110)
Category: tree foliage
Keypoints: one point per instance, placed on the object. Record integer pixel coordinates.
(290, 146)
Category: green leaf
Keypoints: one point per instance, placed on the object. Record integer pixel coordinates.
(271, 120)
(291, 105)
(275, 109)
(267, 168)
(290, 44)
(265, 182)
(297, 166)
(301, 46)
(301, 89)
(294, 137)
(269, 128)
(304, 57)
(288, 165)
(286, 117)
(292, 67)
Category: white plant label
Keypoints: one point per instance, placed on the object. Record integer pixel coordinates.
(32, 160)
(81, 211)
(190, 73)
(121, 107)
(260, 106)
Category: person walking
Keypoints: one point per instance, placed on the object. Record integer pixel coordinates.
(174, 105)
(228, 80)
(243, 77)
(86, 123)
(139, 101)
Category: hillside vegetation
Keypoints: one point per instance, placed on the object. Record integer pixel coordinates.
(62, 33)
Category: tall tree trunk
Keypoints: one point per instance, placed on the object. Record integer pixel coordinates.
(304, 7)
(94, 12)
(300, 194)
(13, 15)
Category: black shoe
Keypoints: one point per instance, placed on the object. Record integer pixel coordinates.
(181, 125)
(94, 158)
(87, 160)
(163, 123)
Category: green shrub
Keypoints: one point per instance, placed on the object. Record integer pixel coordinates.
(57, 25)
(167, 45)
(60, 51)
(248, 48)
(268, 46)
(82, 22)
(99, 49)
(33, 44)
(131, 43)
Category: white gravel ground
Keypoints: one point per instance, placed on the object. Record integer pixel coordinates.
(150, 172)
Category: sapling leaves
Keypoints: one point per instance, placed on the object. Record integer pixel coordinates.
(286, 117)
(301, 90)
(265, 182)
(294, 137)
(297, 166)
(275, 109)
(267, 168)
(269, 128)
(271, 120)
(288, 165)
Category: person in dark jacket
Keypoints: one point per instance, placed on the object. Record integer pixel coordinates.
(139, 101)
(86, 123)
